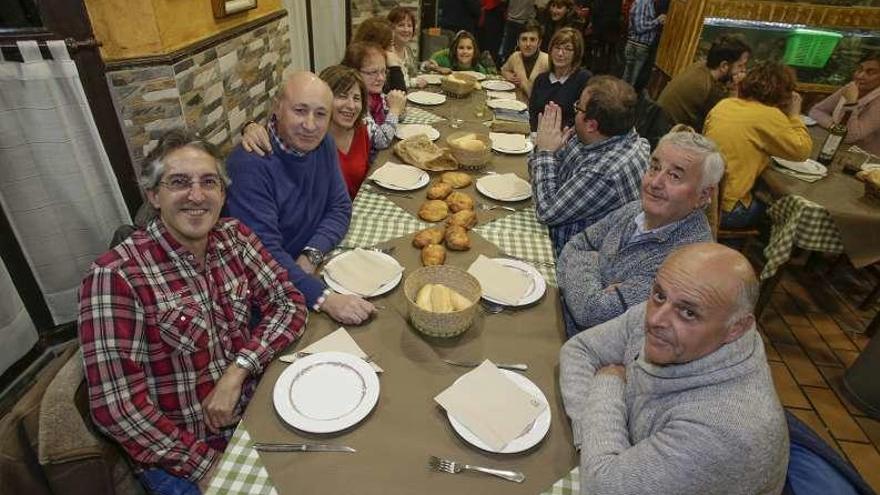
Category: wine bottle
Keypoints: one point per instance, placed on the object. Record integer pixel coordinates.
(836, 135)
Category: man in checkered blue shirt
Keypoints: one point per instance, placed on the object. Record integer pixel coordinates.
(581, 175)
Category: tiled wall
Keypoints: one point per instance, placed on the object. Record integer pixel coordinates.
(213, 92)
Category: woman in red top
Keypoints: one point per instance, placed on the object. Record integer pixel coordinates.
(347, 126)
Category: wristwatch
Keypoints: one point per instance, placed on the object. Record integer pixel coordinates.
(315, 256)
(244, 364)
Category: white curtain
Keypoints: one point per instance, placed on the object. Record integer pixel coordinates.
(328, 32)
(17, 332)
(56, 185)
(299, 34)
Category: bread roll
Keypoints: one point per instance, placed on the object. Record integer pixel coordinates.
(457, 238)
(426, 237)
(439, 190)
(458, 201)
(463, 218)
(433, 210)
(433, 254)
(456, 179)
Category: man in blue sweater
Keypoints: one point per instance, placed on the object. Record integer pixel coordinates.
(295, 197)
(608, 267)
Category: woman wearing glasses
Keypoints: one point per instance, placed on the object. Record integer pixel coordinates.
(565, 80)
(462, 54)
(380, 31)
(347, 126)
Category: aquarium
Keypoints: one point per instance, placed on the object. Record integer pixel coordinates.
(769, 40)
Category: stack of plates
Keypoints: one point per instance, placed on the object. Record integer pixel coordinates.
(809, 170)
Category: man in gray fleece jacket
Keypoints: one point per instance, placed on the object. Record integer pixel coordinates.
(609, 267)
(675, 395)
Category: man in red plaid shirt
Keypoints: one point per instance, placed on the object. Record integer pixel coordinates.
(170, 359)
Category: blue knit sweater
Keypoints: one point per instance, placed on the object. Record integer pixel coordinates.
(606, 255)
(291, 202)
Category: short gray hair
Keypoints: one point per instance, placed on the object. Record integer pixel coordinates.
(746, 299)
(154, 164)
(683, 136)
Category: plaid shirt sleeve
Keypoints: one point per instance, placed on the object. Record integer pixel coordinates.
(643, 20)
(282, 306)
(111, 331)
(381, 136)
(559, 202)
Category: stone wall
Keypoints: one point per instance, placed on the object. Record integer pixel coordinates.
(364, 9)
(213, 91)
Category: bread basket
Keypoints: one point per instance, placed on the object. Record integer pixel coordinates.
(458, 85)
(442, 324)
(871, 178)
(470, 159)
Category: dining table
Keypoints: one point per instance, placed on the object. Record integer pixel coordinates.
(395, 440)
(830, 215)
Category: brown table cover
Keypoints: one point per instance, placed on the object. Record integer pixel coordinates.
(843, 196)
(393, 443)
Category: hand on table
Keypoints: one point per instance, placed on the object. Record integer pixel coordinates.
(219, 405)
(256, 139)
(347, 309)
(613, 369)
(551, 136)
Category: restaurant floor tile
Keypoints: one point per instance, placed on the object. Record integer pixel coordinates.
(810, 331)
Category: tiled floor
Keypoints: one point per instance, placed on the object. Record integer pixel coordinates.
(810, 327)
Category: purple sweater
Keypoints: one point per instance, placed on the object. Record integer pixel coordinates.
(291, 202)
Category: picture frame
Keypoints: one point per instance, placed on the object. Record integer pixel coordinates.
(225, 8)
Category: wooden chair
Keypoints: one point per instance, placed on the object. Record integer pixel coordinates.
(745, 235)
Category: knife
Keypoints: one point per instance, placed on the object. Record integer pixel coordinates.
(511, 366)
(301, 447)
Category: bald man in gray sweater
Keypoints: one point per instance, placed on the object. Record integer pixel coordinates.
(675, 395)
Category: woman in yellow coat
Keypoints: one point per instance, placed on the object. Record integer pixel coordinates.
(762, 121)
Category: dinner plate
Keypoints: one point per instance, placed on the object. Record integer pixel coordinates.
(423, 181)
(807, 120)
(500, 95)
(536, 432)
(810, 166)
(387, 286)
(536, 288)
(515, 105)
(529, 147)
(326, 392)
(432, 78)
(482, 189)
(479, 76)
(498, 85)
(426, 98)
(406, 131)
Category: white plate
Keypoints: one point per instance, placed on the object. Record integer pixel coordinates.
(807, 120)
(500, 95)
(488, 194)
(326, 392)
(515, 105)
(498, 85)
(426, 98)
(432, 78)
(479, 76)
(406, 131)
(423, 181)
(381, 290)
(529, 147)
(536, 289)
(527, 440)
(810, 167)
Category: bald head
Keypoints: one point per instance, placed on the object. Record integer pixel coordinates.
(303, 111)
(702, 299)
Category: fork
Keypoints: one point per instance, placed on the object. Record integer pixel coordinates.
(488, 207)
(450, 466)
(301, 354)
(527, 260)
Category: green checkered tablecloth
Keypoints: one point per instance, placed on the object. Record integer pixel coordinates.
(375, 219)
(416, 115)
(802, 223)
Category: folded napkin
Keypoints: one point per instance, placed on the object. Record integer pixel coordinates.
(506, 141)
(797, 175)
(362, 272)
(511, 115)
(395, 174)
(338, 341)
(500, 282)
(490, 405)
(505, 186)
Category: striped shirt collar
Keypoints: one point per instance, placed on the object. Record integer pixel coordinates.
(278, 142)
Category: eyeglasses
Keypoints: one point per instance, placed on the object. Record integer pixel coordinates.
(377, 73)
(563, 48)
(180, 183)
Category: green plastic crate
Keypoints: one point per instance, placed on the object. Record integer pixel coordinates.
(810, 47)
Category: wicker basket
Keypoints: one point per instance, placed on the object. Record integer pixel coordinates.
(472, 160)
(442, 324)
(459, 87)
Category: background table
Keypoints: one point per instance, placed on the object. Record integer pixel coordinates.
(523, 335)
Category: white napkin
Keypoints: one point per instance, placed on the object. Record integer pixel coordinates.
(500, 282)
(338, 341)
(362, 272)
(505, 186)
(490, 405)
(395, 174)
(506, 141)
